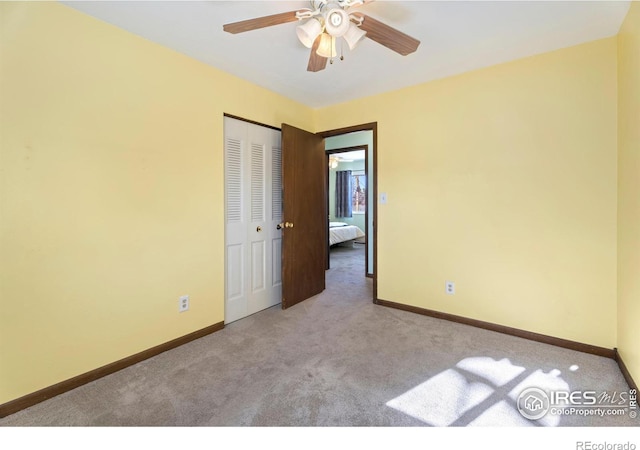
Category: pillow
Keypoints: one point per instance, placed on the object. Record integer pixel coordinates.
(337, 224)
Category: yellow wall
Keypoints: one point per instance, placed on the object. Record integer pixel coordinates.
(509, 175)
(629, 191)
(111, 192)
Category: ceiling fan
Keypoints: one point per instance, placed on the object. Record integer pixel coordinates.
(328, 20)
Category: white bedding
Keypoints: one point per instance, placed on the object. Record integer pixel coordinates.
(342, 234)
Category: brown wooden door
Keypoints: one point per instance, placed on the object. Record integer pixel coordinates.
(305, 215)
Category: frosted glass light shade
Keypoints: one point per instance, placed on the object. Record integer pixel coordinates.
(309, 31)
(327, 47)
(354, 35)
(337, 23)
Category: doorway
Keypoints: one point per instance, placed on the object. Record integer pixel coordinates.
(344, 148)
(348, 201)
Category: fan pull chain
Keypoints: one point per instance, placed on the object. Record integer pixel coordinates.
(341, 50)
(333, 45)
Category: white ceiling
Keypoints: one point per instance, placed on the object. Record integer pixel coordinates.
(357, 155)
(456, 36)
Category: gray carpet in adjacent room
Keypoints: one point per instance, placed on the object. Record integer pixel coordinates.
(336, 359)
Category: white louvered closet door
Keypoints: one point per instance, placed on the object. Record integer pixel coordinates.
(253, 208)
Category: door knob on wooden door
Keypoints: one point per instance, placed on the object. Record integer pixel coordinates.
(284, 225)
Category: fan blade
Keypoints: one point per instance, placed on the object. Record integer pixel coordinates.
(260, 22)
(316, 62)
(388, 36)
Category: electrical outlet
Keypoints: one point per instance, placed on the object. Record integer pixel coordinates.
(450, 287)
(183, 303)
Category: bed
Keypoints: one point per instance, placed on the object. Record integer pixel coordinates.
(340, 232)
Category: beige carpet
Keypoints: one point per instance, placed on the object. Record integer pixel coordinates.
(339, 360)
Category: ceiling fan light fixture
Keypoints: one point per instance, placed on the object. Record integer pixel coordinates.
(327, 20)
(327, 47)
(337, 22)
(354, 35)
(309, 31)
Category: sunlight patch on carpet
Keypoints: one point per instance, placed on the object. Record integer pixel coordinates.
(442, 399)
(498, 373)
(478, 391)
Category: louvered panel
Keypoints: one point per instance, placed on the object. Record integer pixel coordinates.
(233, 173)
(257, 182)
(276, 184)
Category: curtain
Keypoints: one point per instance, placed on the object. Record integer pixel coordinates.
(343, 193)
